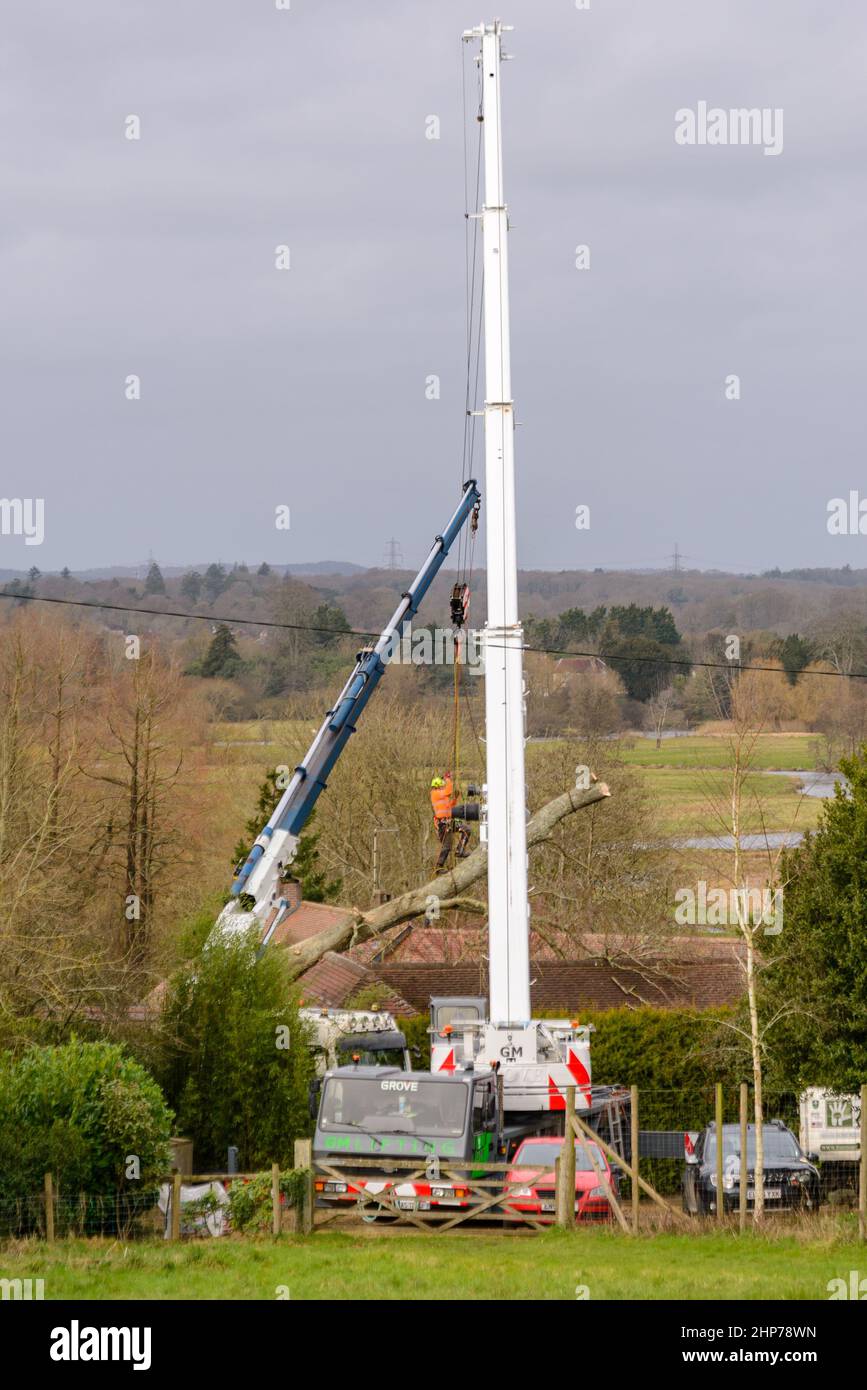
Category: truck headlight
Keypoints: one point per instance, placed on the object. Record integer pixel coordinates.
(597, 1192)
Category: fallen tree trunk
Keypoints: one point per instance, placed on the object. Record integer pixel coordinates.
(446, 891)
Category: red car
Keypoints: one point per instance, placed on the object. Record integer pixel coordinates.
(534, 1191)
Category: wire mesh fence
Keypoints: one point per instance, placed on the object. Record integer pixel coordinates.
(671, 1124)
(123, 1215)
(689, 1151)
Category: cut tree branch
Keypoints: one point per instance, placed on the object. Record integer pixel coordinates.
(449, 889)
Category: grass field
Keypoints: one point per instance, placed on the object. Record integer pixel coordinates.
(398, 1265)
(690, 801)
(686, 776)
(773, 751)
(688, 781)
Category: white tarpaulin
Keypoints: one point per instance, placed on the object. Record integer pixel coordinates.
(203, 1207)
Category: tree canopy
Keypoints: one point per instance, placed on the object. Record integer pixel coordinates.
(222, 657)
(816, 973)
(236, 1063)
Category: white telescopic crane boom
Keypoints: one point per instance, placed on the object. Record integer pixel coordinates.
(508, 928)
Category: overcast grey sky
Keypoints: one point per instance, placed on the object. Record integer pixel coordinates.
(307, 387)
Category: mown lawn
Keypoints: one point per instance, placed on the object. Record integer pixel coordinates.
(398, 1265)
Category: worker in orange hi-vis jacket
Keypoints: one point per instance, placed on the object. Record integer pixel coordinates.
(443, 801)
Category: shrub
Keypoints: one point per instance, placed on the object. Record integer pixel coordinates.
(80, 1111)
(235, 1062)
(250, 1203)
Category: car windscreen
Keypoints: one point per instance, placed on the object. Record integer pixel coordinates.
(388, 1106)
(546, 1155)
(779, 1144)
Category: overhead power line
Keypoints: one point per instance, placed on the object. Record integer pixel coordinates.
(682, 662)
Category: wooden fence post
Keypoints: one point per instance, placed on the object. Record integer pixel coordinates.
(633, 1144)
(862, 1170)
(304, 1209)
(566, 1171)
(720, 1203)
(49, 1207)
(175, 1227)
(276, 1213)
(742, 1196)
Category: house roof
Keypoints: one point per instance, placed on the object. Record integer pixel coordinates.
(307, 920)
(336, 978)
(568, 665)
(572, 986)
(418, 941)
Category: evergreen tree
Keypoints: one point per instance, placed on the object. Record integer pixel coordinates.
(235, 1066)
(316, 887)
(191, 586)
(328, 618)
(222, 657)
(215, 581)
(816, 968)
(65, 573)
(264, 569)
(795, 654)
(155, 584)
(640, 663)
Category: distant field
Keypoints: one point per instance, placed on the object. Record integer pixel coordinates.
(773, 751)
(693, 801)
(781, 1264)
(782, 751)
(686, 776)
(263, 731)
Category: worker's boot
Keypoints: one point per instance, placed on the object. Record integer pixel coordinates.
(463, 840)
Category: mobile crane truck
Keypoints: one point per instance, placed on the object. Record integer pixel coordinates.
(497, 1075)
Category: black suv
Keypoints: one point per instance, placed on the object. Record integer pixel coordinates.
(790, 1178)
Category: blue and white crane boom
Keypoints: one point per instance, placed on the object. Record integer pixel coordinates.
(260, 876)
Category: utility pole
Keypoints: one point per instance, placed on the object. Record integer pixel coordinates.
(508, 923)
(676, 557)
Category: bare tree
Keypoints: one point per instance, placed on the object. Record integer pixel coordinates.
(140, 772)
(736, 804)
(658, 707)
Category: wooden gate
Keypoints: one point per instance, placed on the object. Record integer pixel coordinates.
(406, 1191)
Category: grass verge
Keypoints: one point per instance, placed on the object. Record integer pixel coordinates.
(782, 1263)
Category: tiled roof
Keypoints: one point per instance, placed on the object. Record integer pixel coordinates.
(335, 978)
(571, 986)
(462, 945)
(569, 664)
(307, 920)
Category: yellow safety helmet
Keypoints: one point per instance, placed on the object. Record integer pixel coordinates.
(437, 782)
